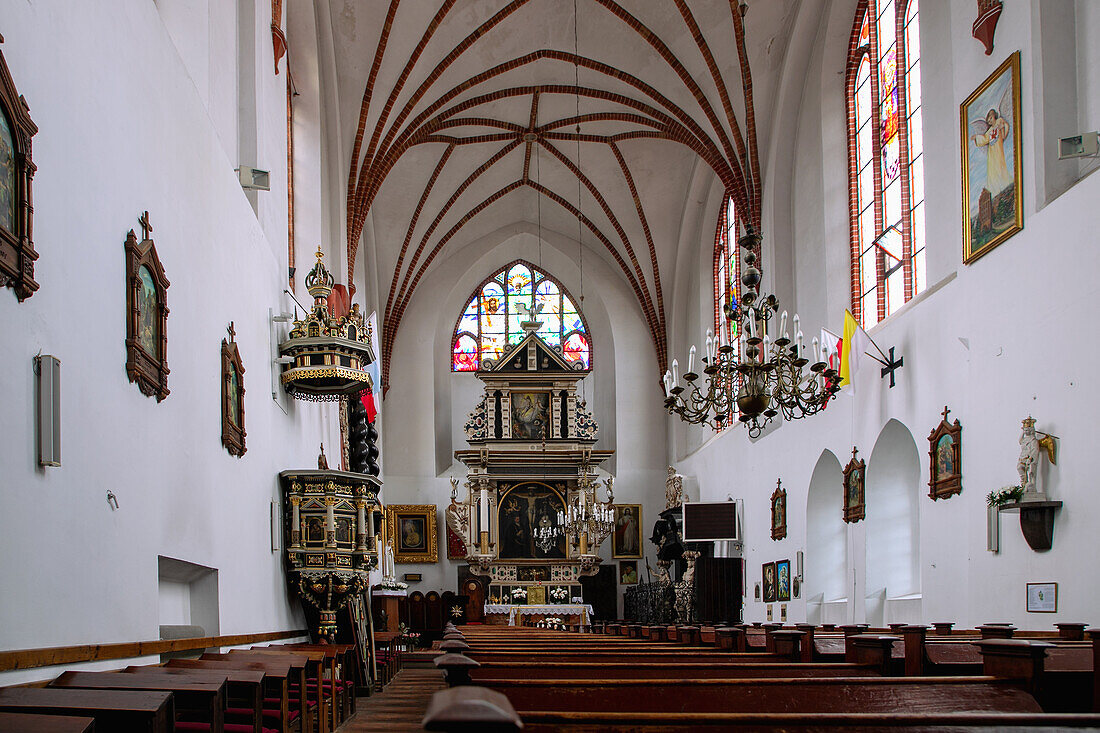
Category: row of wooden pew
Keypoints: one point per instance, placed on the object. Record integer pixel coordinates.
(625, 676)
(288, 688)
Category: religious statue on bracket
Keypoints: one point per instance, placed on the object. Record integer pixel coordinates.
(1032, 443)
(458, 525)
(146, 314)
(674, 489)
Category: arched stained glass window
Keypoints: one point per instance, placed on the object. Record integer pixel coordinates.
(491, 321)
(886, 161)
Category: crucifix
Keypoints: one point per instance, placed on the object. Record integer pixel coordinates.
(146, 227)
(232, 331)
(945, 411)
(891, 365)
(854, 451)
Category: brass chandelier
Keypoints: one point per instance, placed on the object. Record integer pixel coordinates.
(764, 376)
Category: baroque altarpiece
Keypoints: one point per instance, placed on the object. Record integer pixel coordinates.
(530, 462)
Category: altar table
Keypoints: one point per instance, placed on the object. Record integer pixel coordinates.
(581, 610)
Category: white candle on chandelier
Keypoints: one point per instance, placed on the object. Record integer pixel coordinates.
(798, 349)
(796, 331)
(723, 330)
(691, 359)
(710, 345)
(675, 373)
(783, 325)
(752, 326)
(668, 383)
(817, 355)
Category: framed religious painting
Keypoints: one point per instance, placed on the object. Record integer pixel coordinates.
(945, 459)
(413, 531)
(17, 255)
(232, 396)
(628, 572)
(527, 512)
(855, 504)
(992, 168)
(626, 542)
(779, 511)
(783, 580)
(768, 582)
(530, 415)
(146, 314)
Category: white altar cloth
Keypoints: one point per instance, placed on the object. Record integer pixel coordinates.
(584, 610)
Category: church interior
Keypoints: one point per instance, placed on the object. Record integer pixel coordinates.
(547, 365)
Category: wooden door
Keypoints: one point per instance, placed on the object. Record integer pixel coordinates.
(599, 590)
(475, 590)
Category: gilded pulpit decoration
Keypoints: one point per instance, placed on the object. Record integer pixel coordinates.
(855, 503)
(146, 314)
(17, 255)
(233, 432)
(945, 459)
(329, 537)
(779, 511)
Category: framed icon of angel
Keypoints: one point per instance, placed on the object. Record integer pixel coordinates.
(992, 170)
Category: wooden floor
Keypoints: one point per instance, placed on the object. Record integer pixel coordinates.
(400, 706)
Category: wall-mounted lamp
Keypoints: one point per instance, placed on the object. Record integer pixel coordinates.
(112, 500)
(254, 179)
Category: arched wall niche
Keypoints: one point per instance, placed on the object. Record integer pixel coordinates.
(826, 561)
(893, 588)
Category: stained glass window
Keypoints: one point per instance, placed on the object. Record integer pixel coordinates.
(727, 266)
(491, 321)
(886, 149)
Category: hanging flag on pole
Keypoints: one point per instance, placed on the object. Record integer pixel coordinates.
(372, 398)
(830, 349)
(854, 342)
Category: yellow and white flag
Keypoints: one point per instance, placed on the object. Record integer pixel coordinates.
(854, 343)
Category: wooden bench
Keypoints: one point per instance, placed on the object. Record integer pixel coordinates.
(688, 670)
(314, 666)
(294, 712)
(28, 723)
(243, 691)
(196, 701)
(113, 710)
(275, 701)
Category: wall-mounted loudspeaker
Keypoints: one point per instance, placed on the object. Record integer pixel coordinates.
(798, 563)
(48, 369)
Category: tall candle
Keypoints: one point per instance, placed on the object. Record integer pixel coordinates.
(691, 359)
(483, 515)
(668, 383)
(783, 325)
(675, 372)
(817, 355)
(710, 345)
(723, 330)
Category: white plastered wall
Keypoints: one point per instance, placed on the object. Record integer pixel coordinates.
(996, 340)
(125, 126)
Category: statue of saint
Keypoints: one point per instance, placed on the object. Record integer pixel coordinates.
(1031, 442)
(388, 565)
(457, 518)
(674, 489)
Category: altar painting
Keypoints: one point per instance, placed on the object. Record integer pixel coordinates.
(530, 415)
(522, 509)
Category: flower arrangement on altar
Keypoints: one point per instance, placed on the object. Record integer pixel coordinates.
(559, 595)
(392, 584)
(1007, 495)
(519, 594)
(551, 622)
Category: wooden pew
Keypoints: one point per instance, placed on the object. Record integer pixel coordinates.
(332, 679)
(640, 658)
(1061, 679)
(489, 672)
(315, 663)
(113, 710)
(243, 698)
(277, 711)
(28, 723)
(296, 676)
(196, 701)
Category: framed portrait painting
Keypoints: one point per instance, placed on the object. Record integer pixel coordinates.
(779, 511)
(413, 530)
(783, 580)
(627, 539)
(945, 459)
(768, 577)
(628, 572)
(855, 505)
(992, 171)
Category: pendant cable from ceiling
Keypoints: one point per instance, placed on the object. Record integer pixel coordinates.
(580, 170)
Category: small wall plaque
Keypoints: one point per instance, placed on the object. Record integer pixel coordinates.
(413, 577)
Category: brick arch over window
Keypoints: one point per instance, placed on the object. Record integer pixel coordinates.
(490, 323)
(885, 158)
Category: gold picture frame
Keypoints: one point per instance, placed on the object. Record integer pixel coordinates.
(992, 165)
(413, 530)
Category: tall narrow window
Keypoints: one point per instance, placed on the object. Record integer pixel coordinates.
(727, 266)
(491, 321)
(886, 161)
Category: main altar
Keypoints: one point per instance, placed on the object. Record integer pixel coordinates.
(529, 516)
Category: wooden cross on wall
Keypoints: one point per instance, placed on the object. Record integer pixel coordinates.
(146, 227)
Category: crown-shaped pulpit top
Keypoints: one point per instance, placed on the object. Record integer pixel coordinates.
(319, 281)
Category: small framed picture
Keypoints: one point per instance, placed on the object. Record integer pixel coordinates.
(769, 612)
(945, 459)
(628, 572)
(768, 576)
(756, 592)
(783, 580)
(1042, 597)
(855, 507)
